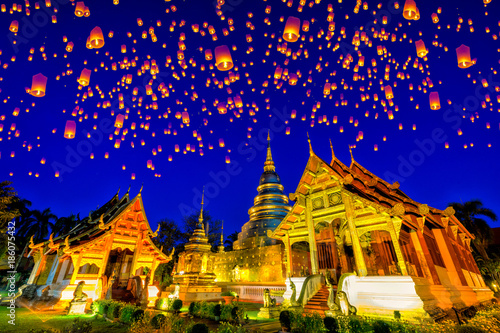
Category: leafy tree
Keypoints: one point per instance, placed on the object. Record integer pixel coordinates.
(471, 214)
(214, 228)
(230, 239)
(39, 226)
(169, 236)
(63, 225)
(8, 211)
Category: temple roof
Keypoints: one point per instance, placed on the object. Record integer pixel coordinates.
(372, 189)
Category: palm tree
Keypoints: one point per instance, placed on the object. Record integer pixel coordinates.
(64, 225)
(39, 226)
(230, 239)
(471, 214)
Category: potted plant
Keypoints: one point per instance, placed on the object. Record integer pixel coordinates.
(228, 296)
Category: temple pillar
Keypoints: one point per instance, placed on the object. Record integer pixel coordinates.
(424, 257)
(356, 244)
(313, 252)
(76, 267)
(37, 256)
(397, 248)
(53, 270)
(450, 258)
(107, 250)
(137, 252)
(288, 252)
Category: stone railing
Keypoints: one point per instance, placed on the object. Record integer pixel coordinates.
(256, 293)
(311, 286)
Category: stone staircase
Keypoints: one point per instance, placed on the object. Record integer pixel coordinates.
(318, 303)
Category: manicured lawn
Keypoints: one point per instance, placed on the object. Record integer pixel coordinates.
(26, 320)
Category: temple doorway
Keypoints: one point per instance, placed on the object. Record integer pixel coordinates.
(301, 259)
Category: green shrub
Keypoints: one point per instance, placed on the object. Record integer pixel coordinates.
(100, 306)
(158, 320)
(137, 315)
(199, 328)
(78, 326)
(143, 325)
(355, 325)
(229, 293)
(229, 328)
(285, 319)
(331, 324)
(127, 313)
(217, 310)
(42, 330)
(380, 326)
(177, 305)
(162, 303)
(308, 323)
(193, 308)
(469, 329)
(113, 310)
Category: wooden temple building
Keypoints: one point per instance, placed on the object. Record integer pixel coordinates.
(107, 250)
(397, 254)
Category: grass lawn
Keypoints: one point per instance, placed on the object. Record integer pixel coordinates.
(26, 320)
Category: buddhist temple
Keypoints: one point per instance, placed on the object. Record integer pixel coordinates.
(256, 258)
(107, 250)
(386, 251)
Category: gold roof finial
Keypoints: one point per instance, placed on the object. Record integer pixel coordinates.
(269, 164)
(311, 152)
(140, 191)
(350, 151)
(200, 219)
(333, 154)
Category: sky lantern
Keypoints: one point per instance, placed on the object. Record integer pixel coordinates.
(292, 28)
(70, 129)
(80, 9)
(463, 57)
(388, 92)
(84, 78)
(185, 117)
(96, 38)
(38, 85)
(69, 46)
(410, 10)
(421, 50)
(119, 120)
(223, 59)
(14, 26)
(434, 100)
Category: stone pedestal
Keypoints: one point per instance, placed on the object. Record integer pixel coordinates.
(77, 307)
(273, 312)
(193, 293)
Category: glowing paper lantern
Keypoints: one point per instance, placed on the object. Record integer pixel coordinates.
(463, 57)
(421, 50)
(434, 102)
(84, 78)
(96, 38)
(80, 9)
(388, 92)
(292, 28)
(119, 121)
(14, 26)
(38, 85)
(70, 129)
(410, 10)
(223, 59)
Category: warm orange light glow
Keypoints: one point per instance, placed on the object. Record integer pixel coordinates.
(292, 27)
(223, 59)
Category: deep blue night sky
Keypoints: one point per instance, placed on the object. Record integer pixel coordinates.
(427, 171)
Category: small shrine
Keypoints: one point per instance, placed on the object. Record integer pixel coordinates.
(195, 269)
(109, 254)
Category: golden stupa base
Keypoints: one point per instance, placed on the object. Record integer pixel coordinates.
(193, 293)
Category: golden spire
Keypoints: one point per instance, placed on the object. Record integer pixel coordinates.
(352, 157)
(269, 164)
(221, 246)
(333, 154)
(200, 219)
(310, 146)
